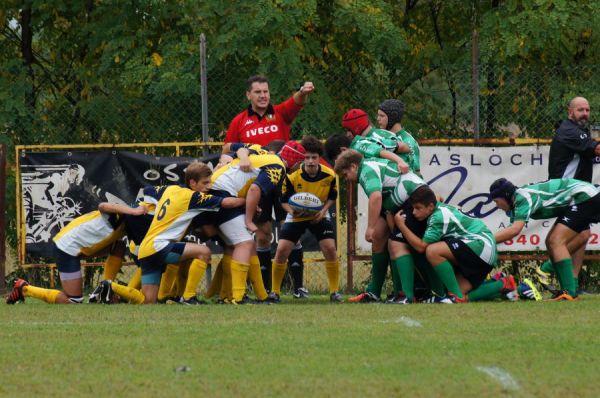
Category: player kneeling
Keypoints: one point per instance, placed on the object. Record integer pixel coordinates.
(461, 249)
(315, 181)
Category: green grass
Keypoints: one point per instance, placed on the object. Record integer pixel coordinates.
(301, 350)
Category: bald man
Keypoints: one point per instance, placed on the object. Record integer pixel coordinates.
(571, 156)
(572, 150)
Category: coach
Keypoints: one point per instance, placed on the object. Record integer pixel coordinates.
(572, 150)
(260, 124)
(263, 122)
(572, 155)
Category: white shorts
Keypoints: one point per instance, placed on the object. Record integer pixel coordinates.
(234, 231)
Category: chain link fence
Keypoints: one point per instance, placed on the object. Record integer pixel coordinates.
(513, 102)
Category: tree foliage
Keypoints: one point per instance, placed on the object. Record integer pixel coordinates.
(85, 71)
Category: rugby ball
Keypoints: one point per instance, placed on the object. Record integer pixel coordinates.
(305, 202)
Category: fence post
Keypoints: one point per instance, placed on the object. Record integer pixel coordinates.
(475, 73)
(204, 105)
(203, 93)
(2, 218)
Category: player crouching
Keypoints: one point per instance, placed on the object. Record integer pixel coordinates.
(461, 249)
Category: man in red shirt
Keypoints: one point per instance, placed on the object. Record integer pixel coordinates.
(260, 124)
(263, 122)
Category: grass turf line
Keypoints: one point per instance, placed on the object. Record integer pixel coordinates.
(309, 349)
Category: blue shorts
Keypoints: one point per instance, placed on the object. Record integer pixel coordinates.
(65, 262)
(153, 266)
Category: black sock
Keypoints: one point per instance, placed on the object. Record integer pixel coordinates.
(264, 257)
(296, 267)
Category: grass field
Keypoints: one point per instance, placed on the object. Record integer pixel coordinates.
(315, 349)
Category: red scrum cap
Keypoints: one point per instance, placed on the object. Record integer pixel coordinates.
(292, 153)
(355, 120)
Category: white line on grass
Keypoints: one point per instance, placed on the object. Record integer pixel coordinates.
(411, 323)
(501, 376)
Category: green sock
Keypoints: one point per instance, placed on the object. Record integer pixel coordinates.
(431, 277)
(547, 266)
(576, 281)
(396, 277)
(446, 274)
(378, 272)
(405, 267)
(488, 290)
(564, 269)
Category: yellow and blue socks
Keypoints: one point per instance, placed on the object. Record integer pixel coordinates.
(195, 274)
(132, 295)
(112, 265)
(239, 274)
(333, 275)
(255, 275)
(278, 274)
(47, 295)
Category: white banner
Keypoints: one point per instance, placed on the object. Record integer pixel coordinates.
(463, 175)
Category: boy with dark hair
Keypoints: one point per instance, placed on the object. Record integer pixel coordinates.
(319, 180)
(174, 212)
(574, 202)
(461, 249)
(388, 190)
(389, 116)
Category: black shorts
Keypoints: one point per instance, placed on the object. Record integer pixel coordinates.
(579, 217)
(468, 263)
(269, 205)
(292, 231)
(416, 226)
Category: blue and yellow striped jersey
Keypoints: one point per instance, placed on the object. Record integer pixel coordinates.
(174, 213)
(88, 234)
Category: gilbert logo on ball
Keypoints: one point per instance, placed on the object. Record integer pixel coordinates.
(305, 202)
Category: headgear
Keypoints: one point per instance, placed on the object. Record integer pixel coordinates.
(394, 109)
(292, 153)
(355, 120)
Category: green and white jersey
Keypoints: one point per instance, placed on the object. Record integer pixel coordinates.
(546, 199)
(377, 140)
(415, 153)
(381, 175)
(447, 221)
(370, 148)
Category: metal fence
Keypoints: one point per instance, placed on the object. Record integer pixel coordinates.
(513, 102)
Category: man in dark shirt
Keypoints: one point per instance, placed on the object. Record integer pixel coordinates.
(572, 150)
(572, 155)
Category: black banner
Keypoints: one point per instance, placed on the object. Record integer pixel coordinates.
(58, 187)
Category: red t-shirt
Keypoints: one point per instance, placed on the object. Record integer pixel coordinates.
(249, 127)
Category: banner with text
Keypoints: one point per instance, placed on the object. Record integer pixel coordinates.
(463, 175)
(58, 187)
